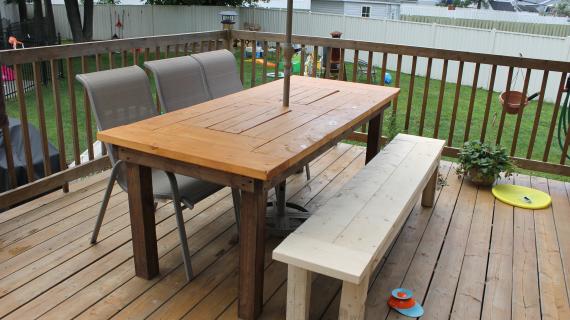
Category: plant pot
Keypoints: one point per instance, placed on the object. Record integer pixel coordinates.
(479, 179)
(513, 104)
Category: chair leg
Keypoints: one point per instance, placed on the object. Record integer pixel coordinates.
(105, 202)
(180, 222)
(308, 172)
(236, 197)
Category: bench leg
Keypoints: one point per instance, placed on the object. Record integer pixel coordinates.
(353, 300)
(298, 293)
(428, 195)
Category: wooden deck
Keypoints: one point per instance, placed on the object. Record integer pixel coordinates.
(469, 257)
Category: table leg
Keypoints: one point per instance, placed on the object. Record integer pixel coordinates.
(374, 134)
(143, 229)
(252, 250)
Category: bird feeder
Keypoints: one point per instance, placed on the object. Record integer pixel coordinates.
(228, 19)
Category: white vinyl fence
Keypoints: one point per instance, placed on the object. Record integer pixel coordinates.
(141, 21)
(149, 20)
(479, 14)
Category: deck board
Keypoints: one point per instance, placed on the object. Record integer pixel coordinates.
(468, 257)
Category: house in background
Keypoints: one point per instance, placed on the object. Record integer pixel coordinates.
(359, 8)
(382, 9)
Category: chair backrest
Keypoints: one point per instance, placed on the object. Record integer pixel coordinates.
(220, 72)
(118, 97)
(179, 82)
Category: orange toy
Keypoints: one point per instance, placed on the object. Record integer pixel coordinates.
(14, 42)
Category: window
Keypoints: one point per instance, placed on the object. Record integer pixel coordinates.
(366, 12)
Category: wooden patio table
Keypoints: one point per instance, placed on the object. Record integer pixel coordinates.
(246, 140)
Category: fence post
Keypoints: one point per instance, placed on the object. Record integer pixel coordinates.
(567, 41)
(434, 34)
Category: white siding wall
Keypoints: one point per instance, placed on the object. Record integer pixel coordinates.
(325, 6)
(377, 10)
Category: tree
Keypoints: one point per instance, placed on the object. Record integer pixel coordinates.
(233, 3)
(80, 33)
(562, 8)
(50, 21)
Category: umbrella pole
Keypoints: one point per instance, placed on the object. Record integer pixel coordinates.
(288, 54)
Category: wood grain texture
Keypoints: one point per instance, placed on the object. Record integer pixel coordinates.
(249, 133)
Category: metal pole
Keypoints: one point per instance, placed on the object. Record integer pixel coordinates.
(288, 54)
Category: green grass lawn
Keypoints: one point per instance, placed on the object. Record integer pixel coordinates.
(397, 126)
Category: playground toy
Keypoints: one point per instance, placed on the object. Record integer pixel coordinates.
(522, 197)
(402, 300)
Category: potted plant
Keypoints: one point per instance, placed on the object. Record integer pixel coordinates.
(483, 163)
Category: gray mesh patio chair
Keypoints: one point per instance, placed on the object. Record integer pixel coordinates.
(180, 83)
(222, 76)
(122, 96)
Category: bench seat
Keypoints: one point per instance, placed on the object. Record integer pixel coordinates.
(346, 238)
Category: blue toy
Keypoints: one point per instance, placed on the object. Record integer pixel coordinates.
(387, 78)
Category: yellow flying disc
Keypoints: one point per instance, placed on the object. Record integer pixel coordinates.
(522, 197)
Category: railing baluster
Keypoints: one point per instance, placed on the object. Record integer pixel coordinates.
(111, 60)
(520, 114)
(58, 118)
(253, 63)
(186, 49)
(554, 116)
(135, 52)
(488, 104)
(124, 58)
(303, 57)
(455, 103)
(328, 63)
(537, 114)
(194, 47)
(410, 93)
(277, 60)
(7, 141)
(397, 84)
(146, 56)
(24, 122)
(471, 102)
(265, 56)
(73, 110)
(315, 60)
(369, 67)
(383, 71)
(504, 113)
(440, 99)
(97, 62)
(176, 50)
(41, 117)
(211, 45)
(218, 44)
(87, 108)
(157, 53)
(341, 70)
(167, 53)
(241, 59)
(425, 97)
(355, 66)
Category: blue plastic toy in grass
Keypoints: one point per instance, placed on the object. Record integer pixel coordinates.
(387, 78)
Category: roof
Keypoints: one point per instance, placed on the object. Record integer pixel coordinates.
(502, 6)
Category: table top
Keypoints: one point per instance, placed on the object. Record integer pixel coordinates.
(250, 133)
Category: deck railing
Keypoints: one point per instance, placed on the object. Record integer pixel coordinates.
(71, 125)
(434, 113)
(410, 112)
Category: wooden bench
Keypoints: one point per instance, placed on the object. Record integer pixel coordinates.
(346, 238)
